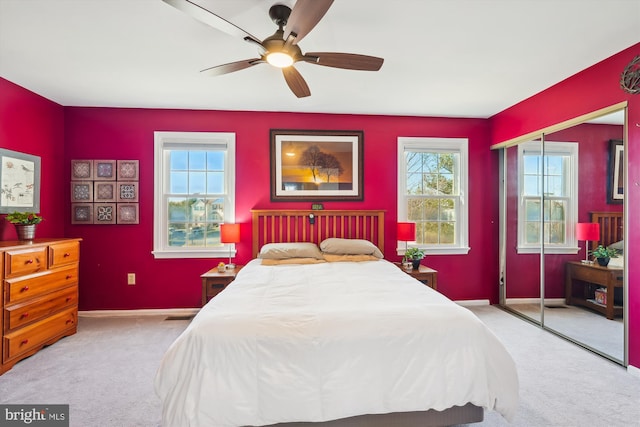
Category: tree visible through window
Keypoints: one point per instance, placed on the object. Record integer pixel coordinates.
(432, 184)
(431, 195)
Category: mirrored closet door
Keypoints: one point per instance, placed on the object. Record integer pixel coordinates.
(562, 196)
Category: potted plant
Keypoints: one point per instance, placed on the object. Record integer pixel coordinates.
(414, 255)
(602, 255)
(25, 223)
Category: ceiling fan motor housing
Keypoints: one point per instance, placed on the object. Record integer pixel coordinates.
(279, 13)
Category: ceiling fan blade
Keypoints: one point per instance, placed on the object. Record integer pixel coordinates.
(204, 15)
(219, 70)
(349, 61)
(295, 82)
(304, 17)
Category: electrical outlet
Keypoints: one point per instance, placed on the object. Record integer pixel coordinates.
(131, 278)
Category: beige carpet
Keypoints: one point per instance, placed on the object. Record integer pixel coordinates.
(105, 372)
(581, 324)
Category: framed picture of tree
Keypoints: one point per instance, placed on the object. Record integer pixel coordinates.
(316, 165)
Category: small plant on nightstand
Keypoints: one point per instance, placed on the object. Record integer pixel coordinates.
(602, 255)
(414, 255)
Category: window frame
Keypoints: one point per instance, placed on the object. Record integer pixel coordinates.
(439, 145)
(196, 140)
(571, 217)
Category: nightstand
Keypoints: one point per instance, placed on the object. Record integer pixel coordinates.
(214, 282)
(426, 275)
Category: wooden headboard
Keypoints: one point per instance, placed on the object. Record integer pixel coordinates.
(611, 227)
(278, 226)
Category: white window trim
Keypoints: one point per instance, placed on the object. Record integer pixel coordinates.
(554, 148)
(161, 249)
(459, 145)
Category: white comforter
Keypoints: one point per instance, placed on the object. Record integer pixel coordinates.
(327, 341)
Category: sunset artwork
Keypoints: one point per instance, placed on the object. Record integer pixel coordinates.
(316, 165)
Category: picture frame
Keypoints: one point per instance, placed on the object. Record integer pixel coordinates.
(104, 213)
(19, 182)
(82, 191)
(615, 183)
(81, 213)
(127, 213)
(104, 170)
(316, 165)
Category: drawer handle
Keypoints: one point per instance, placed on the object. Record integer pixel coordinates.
(69, 321)
(217, 286)
(29, 261)
(67, 254)
(69, 276)
(68, 299)
(24, 315)
(24, 342)
(25, 289)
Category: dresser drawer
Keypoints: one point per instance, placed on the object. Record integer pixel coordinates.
(18, 315)
(25, 261)
(37, 334)
(64, 253)
(20, 289)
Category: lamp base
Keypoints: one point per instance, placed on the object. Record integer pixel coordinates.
(586, 261)
(230, 266)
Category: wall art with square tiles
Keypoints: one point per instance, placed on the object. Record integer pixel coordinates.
(104, 191)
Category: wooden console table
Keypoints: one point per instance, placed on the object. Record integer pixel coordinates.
(589, 277)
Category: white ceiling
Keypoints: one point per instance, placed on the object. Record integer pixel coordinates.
(455, 58)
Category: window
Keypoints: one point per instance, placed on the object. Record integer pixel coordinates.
(554, 176)
(194, 193)
(432, 192)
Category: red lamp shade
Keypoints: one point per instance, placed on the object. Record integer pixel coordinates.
(587, 231)
(407, 231)
(229, 233)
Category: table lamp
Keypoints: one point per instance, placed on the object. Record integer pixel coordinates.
(587, 231)
(406, 232)
(230, 233)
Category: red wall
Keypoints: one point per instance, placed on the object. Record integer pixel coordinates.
(594, 88)
(34, 125)
(109, 252)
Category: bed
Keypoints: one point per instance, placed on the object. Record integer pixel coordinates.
(348, 343)
(611, 234)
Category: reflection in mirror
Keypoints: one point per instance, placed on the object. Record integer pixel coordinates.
(576, 293)
(550, 185)
(521, 275)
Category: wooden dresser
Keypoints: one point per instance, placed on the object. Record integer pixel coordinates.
(39, 295)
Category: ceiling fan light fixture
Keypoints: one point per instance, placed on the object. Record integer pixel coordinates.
(279, 59)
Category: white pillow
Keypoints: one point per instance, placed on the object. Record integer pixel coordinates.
(290, 250)
(338, 246)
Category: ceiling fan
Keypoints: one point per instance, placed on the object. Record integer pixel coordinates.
(281, 49)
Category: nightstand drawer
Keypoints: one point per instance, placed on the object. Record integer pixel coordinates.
(214, 282)
(426, 275)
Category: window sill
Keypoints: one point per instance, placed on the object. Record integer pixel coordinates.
(192, 253)
(439, 251)
(565, 250)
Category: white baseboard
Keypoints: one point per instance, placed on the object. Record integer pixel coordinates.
(633, 371)
(547, 301)
(145, 312)
(472, 302)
